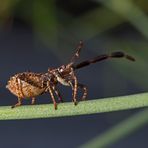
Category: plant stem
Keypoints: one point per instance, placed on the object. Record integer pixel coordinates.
(68, 109)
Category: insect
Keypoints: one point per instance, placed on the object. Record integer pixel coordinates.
(30, 84)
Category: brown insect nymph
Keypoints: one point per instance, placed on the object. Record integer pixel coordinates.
(30, 84)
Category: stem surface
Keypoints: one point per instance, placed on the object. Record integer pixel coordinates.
(68, 109)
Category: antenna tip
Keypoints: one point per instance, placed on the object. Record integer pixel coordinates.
(130, 58)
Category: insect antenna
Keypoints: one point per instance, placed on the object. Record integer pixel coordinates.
(77, 53)
(117, 54)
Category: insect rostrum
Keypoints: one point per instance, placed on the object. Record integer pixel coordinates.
(30, 84)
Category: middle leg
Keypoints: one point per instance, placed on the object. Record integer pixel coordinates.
(52, 96)
(85, 90)
(57, 93)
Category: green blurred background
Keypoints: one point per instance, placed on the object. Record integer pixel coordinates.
(37, 34)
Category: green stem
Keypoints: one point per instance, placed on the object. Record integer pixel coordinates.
(68, 109)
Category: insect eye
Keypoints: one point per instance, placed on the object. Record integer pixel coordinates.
(61, 70)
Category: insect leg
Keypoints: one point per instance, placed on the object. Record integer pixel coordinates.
(84, 90)
(75, 89)
(18, 103)
(71, 84)
(33, 101)
(52, 96)
(57, 93)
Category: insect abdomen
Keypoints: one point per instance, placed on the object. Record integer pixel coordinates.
(23, 89)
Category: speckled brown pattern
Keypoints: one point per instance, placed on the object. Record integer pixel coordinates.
(30, 84)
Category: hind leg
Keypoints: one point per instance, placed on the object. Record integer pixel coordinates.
(18, 103)
(33, 100)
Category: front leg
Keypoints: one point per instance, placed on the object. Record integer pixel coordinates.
(69, 80)
(74, 89)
